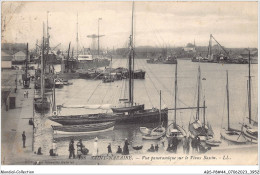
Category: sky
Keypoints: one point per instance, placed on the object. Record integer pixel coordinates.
(158, 24)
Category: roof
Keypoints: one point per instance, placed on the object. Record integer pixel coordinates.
(5, 56)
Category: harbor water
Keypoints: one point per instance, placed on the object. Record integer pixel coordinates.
(93, 93)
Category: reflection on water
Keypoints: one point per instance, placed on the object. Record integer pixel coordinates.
(158, 77)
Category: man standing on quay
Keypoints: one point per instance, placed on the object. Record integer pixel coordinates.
(23, 138)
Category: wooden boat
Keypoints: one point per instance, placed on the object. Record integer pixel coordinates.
(41, 103)
(143, 117)
(137, 147)
(233, 135)
(135, 112)
(174, 130)
(145, 130)
(82, 119)
(213, 142)
(202, 130)
(230, 134)
(250, 129)
(84, 129)
(155, 134)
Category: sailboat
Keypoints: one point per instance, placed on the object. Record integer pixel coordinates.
(41, 103)
(250, 130)
(196, 128)
(134, 111)
(174, 129)
(157, 132)
(229, 133)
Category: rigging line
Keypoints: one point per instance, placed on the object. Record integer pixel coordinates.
(194, 100)
(94, 91)
(148, 95)
(108, 88)
(158, 91)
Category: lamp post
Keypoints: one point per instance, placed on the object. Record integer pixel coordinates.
(98, 33)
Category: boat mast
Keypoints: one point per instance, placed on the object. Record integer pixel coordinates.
(42, 67)
(77, 38)
(228, 102)
(160, 107)
(26, 66)
(47, 41)
(249, 86)
(204, 113)
(175, 96)
(131, 61)
(198, 101)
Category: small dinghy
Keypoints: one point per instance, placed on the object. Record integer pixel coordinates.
(137, 147)
(145, 130)
(156, 133)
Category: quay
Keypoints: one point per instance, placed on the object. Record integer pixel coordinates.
(15, 121)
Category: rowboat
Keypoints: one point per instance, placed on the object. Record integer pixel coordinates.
(156, 133)
(83, 129)
(145, 130)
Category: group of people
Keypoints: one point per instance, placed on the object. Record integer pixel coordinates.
(153, 148)
(25, 94)
(173, 144)
(81, 150)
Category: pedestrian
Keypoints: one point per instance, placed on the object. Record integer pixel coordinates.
(23, 138)
(194, 145)
(27, 94)
(125, 148)
(95, 151)
(175, 142)
(119, 150)
(79, 148)
(151, 149)
(39, 152)
(186, 145)
(54, 147)
(198, 144)
(156, 147)
(71, 149)
(24, 94)
(109, 150)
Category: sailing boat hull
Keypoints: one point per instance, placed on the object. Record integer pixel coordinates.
(146, 116)
(156, 133)
(233, 136)
(83, 129)
(175, 130)
(197, 129)
(249, 135)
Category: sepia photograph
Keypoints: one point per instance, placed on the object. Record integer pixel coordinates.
(129, 83)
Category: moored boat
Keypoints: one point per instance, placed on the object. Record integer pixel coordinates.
(231, 134)
(145, 116)
(83, 129)
(155, 134)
